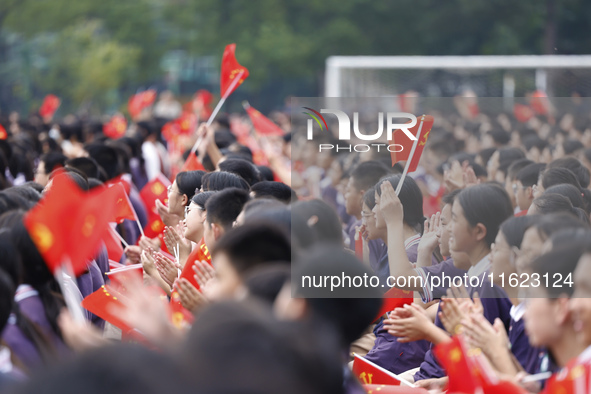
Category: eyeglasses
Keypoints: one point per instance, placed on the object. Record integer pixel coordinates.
(188, 209)
(516, 188)
(366, 214)
(169, 189)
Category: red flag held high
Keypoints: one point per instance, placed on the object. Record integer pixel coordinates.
(139, 101)
(115, 128)
(402, 139)
(69, 224)
(154, 190)
(262, 124)
(192, 163)
(50, 104)
(522, 113)
(231, 69)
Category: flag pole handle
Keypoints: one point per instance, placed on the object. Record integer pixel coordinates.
(410, 157)
(120, 238)
(64, 276)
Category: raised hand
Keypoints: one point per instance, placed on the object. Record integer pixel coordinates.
(169, 219)
(410, 324)
(204, 272)
(390, 204)
(133, 254)
(430, 238)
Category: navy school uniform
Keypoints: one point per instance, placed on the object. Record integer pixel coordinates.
(495, 304)
(387, 352)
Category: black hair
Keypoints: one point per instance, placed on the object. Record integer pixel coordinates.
(94, 183)
(575, 195)
(106, 157)
(509, 155)
(487, 204)
(277, 190)
(411, 198)
(486, 154)
(74, 175)
(188, 182)
(7, 291)
(122, 369)
(277, 215)
(265, 282)
(12, 201)
(514, 228)
(224, 207)
(516, 166)
(34, 185)
(266, 174)
(200, 199)
(267, 356)
(262, 204)
(350, 310)
(557, 176)
(368, 173)
(216, 181)
(581, 172)
(243, 168)
(326, 229)
(533, 141)
(555, 222)
(499, 136)
(253, 245)
(53, 161)
(528, 176)
(555, 203)
(87, 165)
(449, 198)
(35, 271)
(561, 260)
(570, 146)
(369, 197)
(26, 192)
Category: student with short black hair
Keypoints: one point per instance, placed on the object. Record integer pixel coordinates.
(48, 163)
(555, 203)
(319, 218)
(512, 171)
(555, 176)
(534, 147)
(87, 165)
(524, 183)
(242, 168)
(222, 210)
(575, 165)
(277, 190)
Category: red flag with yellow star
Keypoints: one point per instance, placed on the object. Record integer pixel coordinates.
(192, 163)
(69, 224)
(370, 373)
(102, 302)
(231, 70)
(262, 124)
(115, 128)
(123, 208)
(154, 190)
(453, 357)
(405, 143)
(139, 101)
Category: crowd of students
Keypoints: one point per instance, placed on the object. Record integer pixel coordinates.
(502, 205)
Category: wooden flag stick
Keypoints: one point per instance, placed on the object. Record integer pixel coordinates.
(120, 238)
(223, 99)
(412, 152)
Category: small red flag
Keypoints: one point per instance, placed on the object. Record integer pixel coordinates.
(3, 133)
(115, 128)
(231, 69)
(540, 102)
(69, 224)
(50, 104)
(453, 357)
(522, 113)
(123, 208)
(120, 276)
(101, 303)
(139, 101)
(113, 245)
(201, 253)
(262, 124)
(370, 373)
(403, 140)
(395, 298)
(192, 163)
(154, 190)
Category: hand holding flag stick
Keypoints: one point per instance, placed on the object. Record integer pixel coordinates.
(412, 152)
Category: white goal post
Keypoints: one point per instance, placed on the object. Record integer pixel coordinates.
(371, 72)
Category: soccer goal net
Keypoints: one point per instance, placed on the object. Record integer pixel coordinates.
(446, 76)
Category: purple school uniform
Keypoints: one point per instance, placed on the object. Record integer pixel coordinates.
(378, 251)
(138, 206)
(445, 268)
(102, 260)
(495, 303)
(532, 359)
(387, 352)
(31, 307)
